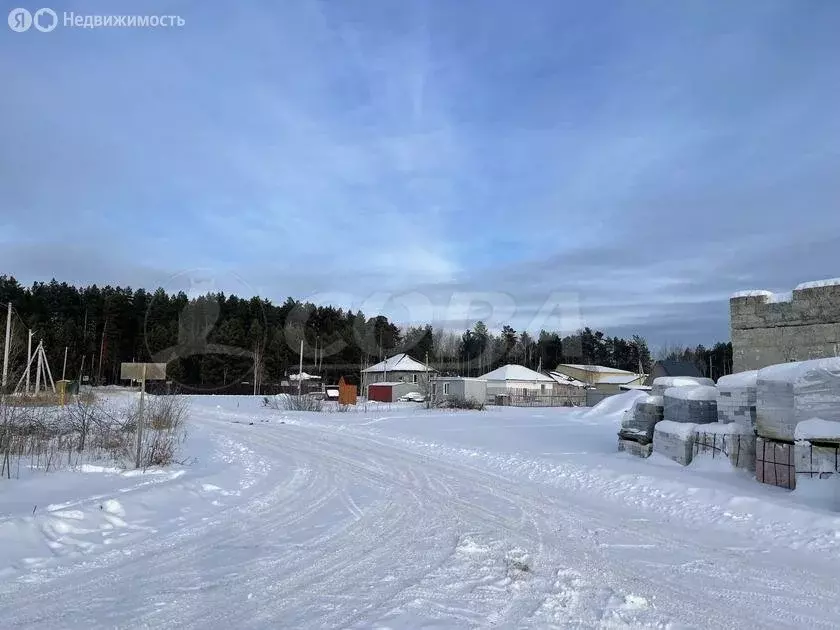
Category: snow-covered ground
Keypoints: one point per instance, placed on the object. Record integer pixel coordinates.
(393, 516)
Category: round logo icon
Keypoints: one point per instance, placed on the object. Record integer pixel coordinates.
(20, 20)
(209, 342)
(45, 20)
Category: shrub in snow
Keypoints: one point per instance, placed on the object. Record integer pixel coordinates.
(731, 441)
(697, 405)
(736, 398)
(666, 382)
(293, 402)
(789, 393)
(674, 440)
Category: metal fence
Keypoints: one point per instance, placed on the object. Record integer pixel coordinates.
(536, 400)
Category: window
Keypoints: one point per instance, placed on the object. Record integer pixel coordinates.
(414, 378)
(445, 388)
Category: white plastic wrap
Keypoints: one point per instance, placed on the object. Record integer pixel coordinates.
(790, 393)
(635, 448)
(697, 405)
(674, 440)
(732, 441)
(665, 382)
(816, 461)
(736, 398)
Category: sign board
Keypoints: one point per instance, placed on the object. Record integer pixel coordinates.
(134, 371)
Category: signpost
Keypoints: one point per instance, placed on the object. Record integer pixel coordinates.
(142, 372)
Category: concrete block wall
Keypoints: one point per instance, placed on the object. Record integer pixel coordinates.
(766, 331)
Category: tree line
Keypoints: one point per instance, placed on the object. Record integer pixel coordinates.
(216, 340)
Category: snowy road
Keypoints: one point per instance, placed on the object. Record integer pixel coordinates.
(342, 522)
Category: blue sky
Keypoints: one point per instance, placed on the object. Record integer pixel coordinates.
(623, 165)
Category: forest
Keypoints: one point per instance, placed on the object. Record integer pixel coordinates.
(219, 340)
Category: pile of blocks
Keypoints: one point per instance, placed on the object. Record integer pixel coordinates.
(789, 397)
(737, 398)
(696, 405)
(636, 433)
(731, 441)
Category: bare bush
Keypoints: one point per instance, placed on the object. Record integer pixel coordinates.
(164, 429)
(290, 402)
(459, 403)
(88, 429)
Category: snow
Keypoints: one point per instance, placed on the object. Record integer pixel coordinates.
(615, 406)
(681, 381)
(784, 296)
(682, 430)
(731, 428)
(595, 368)
(513, 372)
(818, 430)
(752, 293)
(818, 284)
(394, 516)
(738, 380)
(699, 392)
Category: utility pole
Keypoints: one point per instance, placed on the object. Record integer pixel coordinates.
(137, 461)
(64, 367)
(101, 352)
(40, 368)
(300, 370)
(28, 358)
(6, 347)
(81, 372)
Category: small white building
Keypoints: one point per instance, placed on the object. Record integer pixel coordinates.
(517, 380)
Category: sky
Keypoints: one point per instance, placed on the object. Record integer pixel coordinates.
(548, 164)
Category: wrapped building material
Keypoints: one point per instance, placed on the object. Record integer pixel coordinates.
(665, 382)
(736, 398)
(815, 460)
(674, 440)
(697, 405)
(774, 463)
(731, 441)
(790, 393)
(635, 448)
(638, 423)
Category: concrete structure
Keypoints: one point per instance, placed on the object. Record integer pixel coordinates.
(390, 392)
(458, 388)
(772, 328)
(517, 380)
(672, 368)
(398, 368)
(606, 380)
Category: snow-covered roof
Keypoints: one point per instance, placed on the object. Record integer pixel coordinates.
(619, 379)
(564, 379)
(398, 363)
(512, 372)
(304, 376)
(593, 368)
(817, 284)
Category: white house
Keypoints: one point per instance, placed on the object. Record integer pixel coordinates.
(517, 380)
(399, 368)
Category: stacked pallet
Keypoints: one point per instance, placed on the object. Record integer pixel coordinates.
(666, 382)
(737, 399)
(636, 433)
(675, 440)
(733, 442)
(697, 405)
(787, 395)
